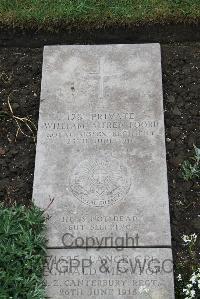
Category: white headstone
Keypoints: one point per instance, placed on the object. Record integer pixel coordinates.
(101, 146)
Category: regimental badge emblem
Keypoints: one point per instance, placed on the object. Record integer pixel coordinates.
(100, 182)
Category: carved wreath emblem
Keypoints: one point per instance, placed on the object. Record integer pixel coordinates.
(100, 181)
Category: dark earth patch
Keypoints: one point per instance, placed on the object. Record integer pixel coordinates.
(20, 77)
(151, 33)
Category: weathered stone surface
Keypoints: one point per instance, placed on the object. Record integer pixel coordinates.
(100, 149)
(109, 274)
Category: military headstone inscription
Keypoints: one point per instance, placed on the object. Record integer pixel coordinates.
(100, 161)
(100, 173)
(109, 274)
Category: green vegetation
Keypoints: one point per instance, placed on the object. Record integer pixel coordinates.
(191, 170)
(95, 13)
(188, 269)
(22, 252)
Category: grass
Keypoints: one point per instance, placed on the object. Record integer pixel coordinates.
(22, 252)
(50, 14)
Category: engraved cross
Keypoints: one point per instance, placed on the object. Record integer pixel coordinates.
(102, 75)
